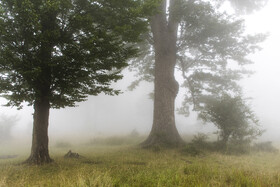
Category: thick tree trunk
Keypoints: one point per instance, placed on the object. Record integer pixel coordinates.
(164, 132)
(40, 140)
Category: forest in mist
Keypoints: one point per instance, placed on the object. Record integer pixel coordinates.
(132, 110)
(139, 93)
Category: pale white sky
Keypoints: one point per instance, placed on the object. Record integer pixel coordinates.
(264, 85)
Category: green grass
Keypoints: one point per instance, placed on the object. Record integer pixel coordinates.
(127, 165)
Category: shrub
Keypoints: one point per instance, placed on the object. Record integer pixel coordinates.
(264, 147)
(198, 145)
(134, 133)
(191, 150)
(200, 141)
(235, 120)
(238, 147)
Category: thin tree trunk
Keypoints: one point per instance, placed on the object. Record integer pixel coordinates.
(164, 131)
(40, 140)
(224, 142)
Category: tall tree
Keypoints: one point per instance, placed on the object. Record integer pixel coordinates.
(53, 53)
(195, 37)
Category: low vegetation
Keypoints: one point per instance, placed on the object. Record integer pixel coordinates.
(107, 164)
(201, 143)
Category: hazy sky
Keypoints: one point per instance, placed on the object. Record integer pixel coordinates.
(264, 85)
(133, 110)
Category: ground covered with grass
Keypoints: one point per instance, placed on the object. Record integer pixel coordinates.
(128, 165)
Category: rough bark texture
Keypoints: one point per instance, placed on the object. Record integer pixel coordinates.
(164, 132)
(40, 151)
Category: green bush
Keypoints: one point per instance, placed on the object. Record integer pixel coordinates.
(264, 147)
(238, 147)
(200, 140)
(192, 150)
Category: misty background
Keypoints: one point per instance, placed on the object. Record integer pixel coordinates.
(119, 115)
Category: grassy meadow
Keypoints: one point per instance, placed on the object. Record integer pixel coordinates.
(119, 161)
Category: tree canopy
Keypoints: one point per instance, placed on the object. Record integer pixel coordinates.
(54, 53)
(212, 50)
(65, 49)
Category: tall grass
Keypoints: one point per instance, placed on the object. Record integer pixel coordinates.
(127, 165)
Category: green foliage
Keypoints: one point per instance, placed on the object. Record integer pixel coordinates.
(232, 116)
(64, 50)
(210, 44)
(212, 50)
(200, 139)
(192, 150)
(264, 147)
(236, 147)
(199, 145)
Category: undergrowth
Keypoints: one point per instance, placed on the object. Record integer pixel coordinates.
(127, 165)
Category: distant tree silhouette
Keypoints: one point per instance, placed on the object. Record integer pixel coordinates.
(6, 124)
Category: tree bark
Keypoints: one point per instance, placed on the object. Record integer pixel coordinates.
(224, 141)
(40, 141)
(164, 132)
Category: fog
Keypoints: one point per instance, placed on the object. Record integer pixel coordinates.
(116, 115)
